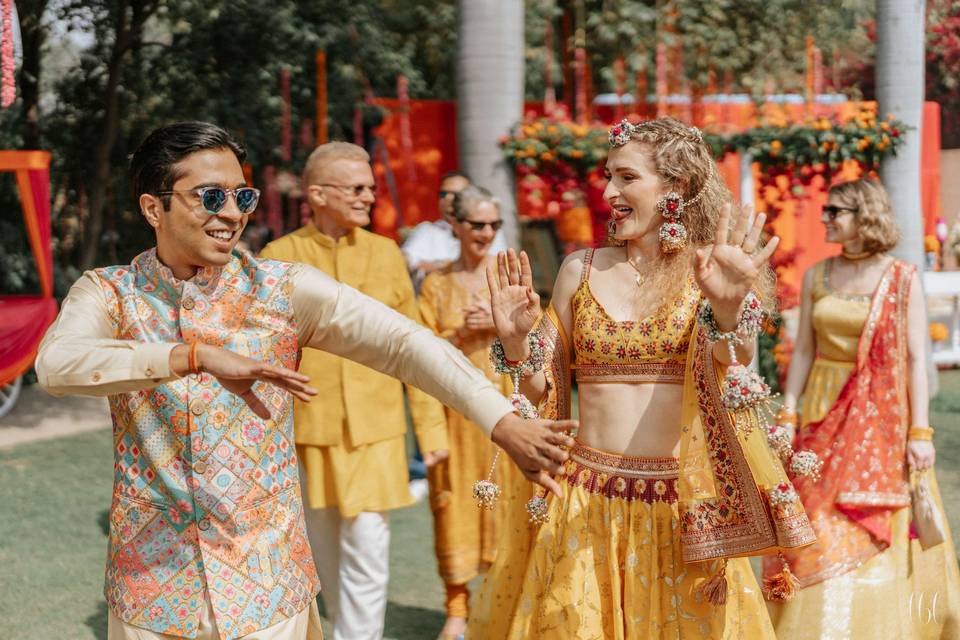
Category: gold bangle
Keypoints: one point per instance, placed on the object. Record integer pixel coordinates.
(920, 433)
(784, 416)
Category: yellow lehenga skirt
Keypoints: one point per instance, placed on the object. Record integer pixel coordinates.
(608, 564)
(901, 593)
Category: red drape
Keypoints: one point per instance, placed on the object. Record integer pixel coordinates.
(23, 319)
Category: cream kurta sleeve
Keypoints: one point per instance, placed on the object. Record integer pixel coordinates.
(337, 318)
(80, 356)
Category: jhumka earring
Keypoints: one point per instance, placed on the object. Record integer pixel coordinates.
(612, 236)
(673, 235)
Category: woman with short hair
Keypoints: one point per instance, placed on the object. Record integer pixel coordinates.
(859, 374)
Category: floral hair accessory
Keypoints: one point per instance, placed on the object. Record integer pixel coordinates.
(620, 133)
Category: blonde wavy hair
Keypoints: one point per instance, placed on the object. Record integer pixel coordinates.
(685, 164)
(875, 222)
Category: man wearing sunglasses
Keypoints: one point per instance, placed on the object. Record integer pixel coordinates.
(432, 245)
(196, 346)
(351, 438)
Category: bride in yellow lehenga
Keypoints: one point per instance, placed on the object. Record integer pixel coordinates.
(859, 362)
(454, 302)
(666, 489)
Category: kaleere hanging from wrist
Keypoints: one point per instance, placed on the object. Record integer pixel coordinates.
(486, 492)
(744, 390)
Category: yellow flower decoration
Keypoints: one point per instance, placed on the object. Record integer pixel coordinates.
(939, 332)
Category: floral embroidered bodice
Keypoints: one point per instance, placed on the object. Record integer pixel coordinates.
(652, 349)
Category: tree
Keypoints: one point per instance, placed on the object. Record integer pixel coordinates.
(32, 38)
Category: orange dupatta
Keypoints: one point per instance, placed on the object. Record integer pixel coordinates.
(862, 443)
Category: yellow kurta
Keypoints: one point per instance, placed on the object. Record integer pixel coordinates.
(350, 437)
(903, 592)
(464, 534)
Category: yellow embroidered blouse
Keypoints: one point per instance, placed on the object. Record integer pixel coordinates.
(653, 349)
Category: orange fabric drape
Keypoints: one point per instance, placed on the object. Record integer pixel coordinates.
(432, 129)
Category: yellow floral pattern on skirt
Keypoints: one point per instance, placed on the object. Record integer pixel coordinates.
(608, 565)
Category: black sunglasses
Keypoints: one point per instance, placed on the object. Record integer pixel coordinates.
(832, 212)
(444, 193)
(214, 199)
(480, 226)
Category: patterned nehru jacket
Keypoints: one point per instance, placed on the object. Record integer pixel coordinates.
(206, 494)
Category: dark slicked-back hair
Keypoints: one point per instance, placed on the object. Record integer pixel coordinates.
(153, 166)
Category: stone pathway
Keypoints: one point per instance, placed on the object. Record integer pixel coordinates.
(39, 416)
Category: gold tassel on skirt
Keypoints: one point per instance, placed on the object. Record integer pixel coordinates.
(782, 586)
(714, 588)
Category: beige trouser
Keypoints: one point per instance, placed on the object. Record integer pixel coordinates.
(303, 626)
(353, 559)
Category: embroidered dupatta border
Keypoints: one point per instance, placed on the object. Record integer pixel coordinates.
(738, 520)
(555, 404)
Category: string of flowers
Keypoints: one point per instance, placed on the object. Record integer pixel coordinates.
(8, 92)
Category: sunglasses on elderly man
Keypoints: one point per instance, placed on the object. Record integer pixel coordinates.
(214, 199)
(831, 212)
(480, 226)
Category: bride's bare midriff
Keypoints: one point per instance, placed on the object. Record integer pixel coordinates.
(632, 419)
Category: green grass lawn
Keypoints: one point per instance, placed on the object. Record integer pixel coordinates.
(54, 497)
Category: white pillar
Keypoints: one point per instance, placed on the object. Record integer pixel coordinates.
(900, 77)
(900, 90)
(490, 63)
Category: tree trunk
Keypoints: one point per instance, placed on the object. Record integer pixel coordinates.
(111, 126)
(899, 78)
(32, 36)
(490, 59)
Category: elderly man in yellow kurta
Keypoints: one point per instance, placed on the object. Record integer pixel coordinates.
(350, 438)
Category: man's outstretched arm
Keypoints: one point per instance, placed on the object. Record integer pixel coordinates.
(337, 318)
(80, 355)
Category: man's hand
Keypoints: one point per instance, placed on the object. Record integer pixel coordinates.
(535, 445)
(432, 458)
(237, 373)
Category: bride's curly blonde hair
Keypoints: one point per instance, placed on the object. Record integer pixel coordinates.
(685, 164)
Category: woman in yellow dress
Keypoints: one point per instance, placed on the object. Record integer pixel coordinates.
(860, 365)
(667, 487)
(455, 303)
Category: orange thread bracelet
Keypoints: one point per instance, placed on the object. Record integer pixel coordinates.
(192, 358)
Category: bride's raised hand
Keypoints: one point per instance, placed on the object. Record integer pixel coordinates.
(513, 302)
(728, 269)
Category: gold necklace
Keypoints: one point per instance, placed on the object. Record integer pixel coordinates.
(849, 255)
(640, 276)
